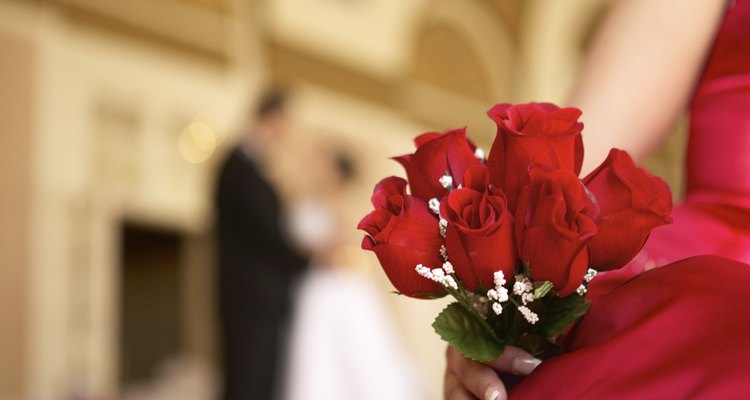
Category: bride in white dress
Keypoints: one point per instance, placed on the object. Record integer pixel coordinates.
(342, 340)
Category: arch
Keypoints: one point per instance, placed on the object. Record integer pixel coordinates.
(474, 31)
(479, 27)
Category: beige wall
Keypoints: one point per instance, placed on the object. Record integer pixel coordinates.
(108, 109)
(15, 113)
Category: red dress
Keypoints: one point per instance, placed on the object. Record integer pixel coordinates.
(683, 330)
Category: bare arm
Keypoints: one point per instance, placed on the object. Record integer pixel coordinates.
(640, 72)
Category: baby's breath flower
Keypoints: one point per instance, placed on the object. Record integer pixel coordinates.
(434, 205)
(448, 267)
(443, 226)
(443, 252)
(499, 278)
(499, 294)
(502, 294)
(479, 154)
(449, 281)
(446, 181)
(529, 315)
(590, 274)
(519, 288)
(424, 271)
(437, 275)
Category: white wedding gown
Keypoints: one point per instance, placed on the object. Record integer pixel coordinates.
(342, 342)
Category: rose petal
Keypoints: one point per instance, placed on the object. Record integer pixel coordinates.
(553, 225)
(399, 264)
(632, 202)
(449, 153)
(476, 255)
(529, 134)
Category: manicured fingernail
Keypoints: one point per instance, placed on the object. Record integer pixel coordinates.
(524, 365)
(492, 394)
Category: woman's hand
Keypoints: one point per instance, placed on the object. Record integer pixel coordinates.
(466, 379)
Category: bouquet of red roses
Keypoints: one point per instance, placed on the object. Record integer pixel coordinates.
(514, 238)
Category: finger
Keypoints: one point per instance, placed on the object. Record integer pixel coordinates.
(479, 379)
(515, 361)
(453, 390)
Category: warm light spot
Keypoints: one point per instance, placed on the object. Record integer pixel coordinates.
(202, 135)
(216, 121)
(197, 142)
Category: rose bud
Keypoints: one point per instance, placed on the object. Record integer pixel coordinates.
(426, 137)
(436, 155)
(528, 134)
(479, 235)
(554, 222)
(402, 232)
(631, 202)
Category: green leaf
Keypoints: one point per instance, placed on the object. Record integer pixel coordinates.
(562, 312)
(468, 333)
(541, 289)
(432, 295)
(539, 346)
(527, 269)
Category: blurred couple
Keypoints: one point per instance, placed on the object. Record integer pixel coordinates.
(295, 321)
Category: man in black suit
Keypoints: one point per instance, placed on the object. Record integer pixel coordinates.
(256, 263)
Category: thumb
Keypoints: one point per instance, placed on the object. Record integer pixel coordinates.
(515, 361)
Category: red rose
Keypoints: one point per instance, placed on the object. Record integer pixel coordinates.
(426, 137)
(632, 202)
(528, 134)
(436, 155)
(403, 233)
(554, 222)
(479, 237)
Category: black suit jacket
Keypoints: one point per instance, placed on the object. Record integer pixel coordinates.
(257, 263)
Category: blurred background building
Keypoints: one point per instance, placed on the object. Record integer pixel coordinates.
(114, 116)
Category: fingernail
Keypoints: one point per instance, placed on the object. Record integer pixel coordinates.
(524, 365)
(492, 394)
